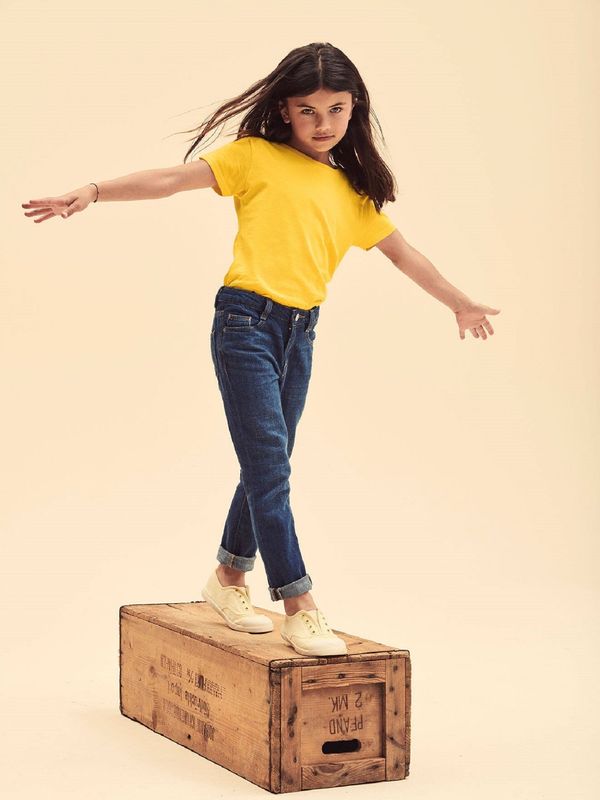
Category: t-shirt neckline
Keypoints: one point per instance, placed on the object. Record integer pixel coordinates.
(304, 155)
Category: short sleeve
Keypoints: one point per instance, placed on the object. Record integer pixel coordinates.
(373, 225)
(231, 166)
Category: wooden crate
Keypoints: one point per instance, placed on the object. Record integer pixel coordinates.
(250, 703)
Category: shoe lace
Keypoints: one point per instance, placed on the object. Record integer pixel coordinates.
(242, 595)
(308, 620)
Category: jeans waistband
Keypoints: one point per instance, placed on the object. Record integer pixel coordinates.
(267, 306)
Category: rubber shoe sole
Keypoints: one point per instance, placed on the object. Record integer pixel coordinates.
(246, 619)
(310, 635)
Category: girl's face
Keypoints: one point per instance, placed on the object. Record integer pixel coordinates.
(321, 114)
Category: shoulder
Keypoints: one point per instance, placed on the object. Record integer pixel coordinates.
(250, 140)
(260, 141)
(366, 202)
(249, 145)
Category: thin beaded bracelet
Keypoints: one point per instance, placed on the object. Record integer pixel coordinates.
(97, 190)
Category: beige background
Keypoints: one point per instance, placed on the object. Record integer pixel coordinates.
(445, 491)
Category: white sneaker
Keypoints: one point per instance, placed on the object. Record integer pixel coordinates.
(234, 605)
(309, 634)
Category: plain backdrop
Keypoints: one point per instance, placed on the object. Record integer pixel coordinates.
(445, 492)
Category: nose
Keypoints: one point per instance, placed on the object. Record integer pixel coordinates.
(318, 120)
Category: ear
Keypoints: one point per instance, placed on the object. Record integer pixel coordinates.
(283, 111)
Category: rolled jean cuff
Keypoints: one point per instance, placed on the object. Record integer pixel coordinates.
(237, 562)
(292, 589)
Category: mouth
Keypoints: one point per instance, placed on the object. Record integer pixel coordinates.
(322, 138)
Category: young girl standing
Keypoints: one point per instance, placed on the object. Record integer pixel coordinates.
(308, 183)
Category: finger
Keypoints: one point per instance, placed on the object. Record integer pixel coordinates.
(48, 202)
(44, 209)
(41, 219)
(45, 201)
(474, 332)
(482, 331)
(489, 327)
(70, 210)
(40, 210)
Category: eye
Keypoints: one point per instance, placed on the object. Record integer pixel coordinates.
(310, 109)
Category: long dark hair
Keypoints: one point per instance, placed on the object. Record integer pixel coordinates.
(303, 71)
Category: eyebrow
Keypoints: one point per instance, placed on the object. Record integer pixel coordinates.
(305, 105)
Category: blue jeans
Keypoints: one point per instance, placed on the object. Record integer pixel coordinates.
(262, 353)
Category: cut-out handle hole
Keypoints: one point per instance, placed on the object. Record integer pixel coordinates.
(341, 746)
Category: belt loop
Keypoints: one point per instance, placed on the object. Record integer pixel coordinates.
(267, 309)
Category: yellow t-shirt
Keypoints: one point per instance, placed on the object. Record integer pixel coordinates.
(297, 217)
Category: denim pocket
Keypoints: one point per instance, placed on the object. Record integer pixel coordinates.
(310, 335)
(238, 321)
(240, 318)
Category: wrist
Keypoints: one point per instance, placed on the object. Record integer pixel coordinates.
(91, 191)
(460, 302)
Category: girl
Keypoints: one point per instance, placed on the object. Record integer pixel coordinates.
(307, 183)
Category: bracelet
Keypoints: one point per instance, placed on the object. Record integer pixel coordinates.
(97, 190)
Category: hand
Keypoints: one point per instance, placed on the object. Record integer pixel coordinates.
(63, 206)
(472, 317)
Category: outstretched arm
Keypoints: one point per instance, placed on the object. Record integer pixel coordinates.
(469, 314)
(150, 184)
